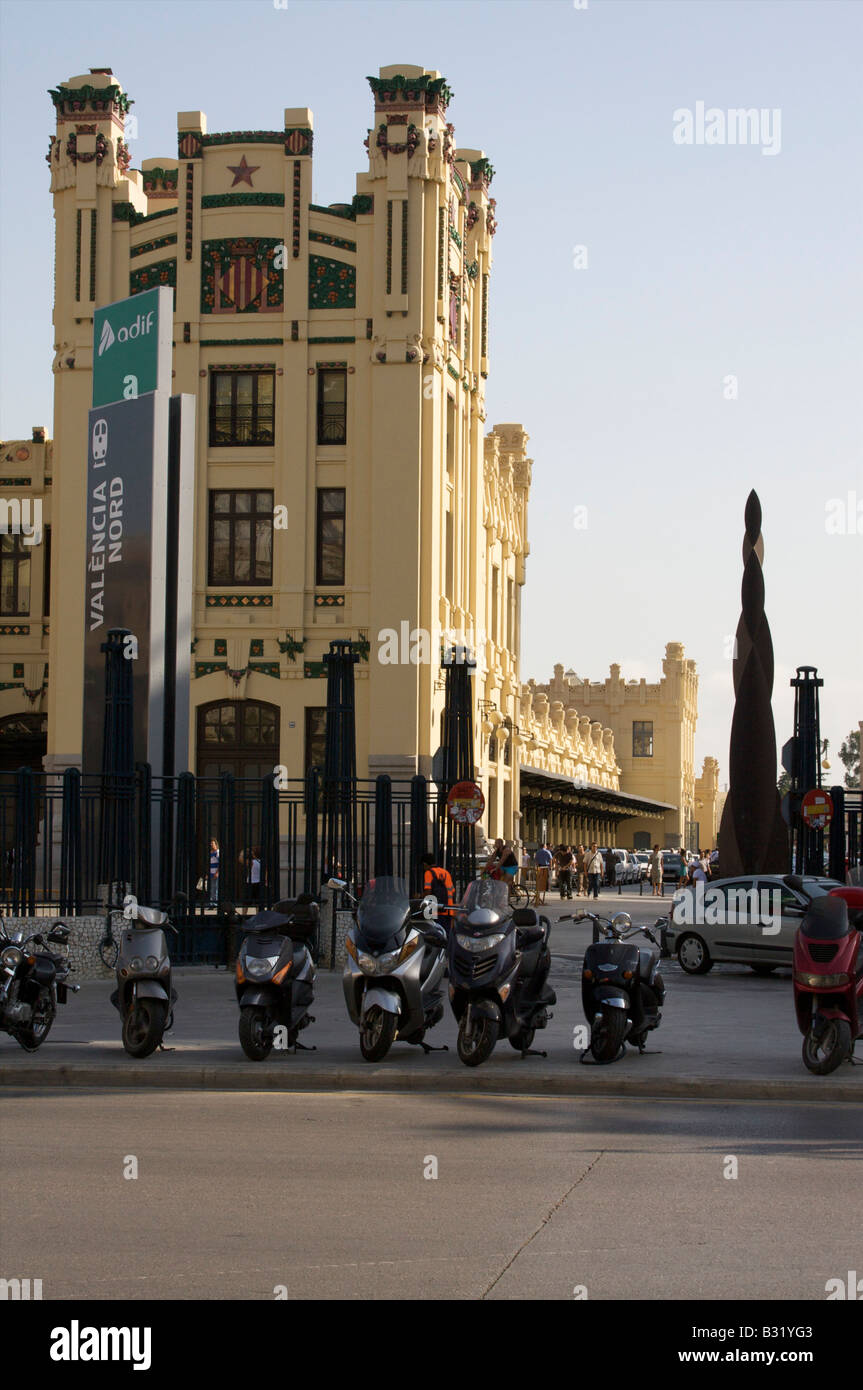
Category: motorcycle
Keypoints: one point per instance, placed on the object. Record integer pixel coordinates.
(394, 967)
(144, 997)
(32, 984)
(498, 962)
(621, 987)
(828, 976)
(276, 976)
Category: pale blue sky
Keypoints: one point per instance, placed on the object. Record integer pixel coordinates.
(703, 261)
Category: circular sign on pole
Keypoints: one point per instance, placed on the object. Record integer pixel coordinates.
(817, 809)
(465, 803)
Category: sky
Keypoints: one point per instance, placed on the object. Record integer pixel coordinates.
(673, 323)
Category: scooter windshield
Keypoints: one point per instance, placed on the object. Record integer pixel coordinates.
(826, 919)
(383, 908)
(485, 895)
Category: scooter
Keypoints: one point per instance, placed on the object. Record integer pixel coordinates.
(621, 987)
(498, 963)
(828, 976)
(144, 997)
(394, 967)
(276, 976)
(32, 984)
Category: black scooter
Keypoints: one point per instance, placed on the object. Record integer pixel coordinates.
(32, 984)
(621, 987)
(276, 976)
(498, 963)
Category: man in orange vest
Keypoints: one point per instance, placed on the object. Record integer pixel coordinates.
(437, 882)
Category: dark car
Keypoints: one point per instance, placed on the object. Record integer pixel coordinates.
(673, 868)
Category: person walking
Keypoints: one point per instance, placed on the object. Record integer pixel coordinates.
(542, 860)
(656, 872)
(563, 859)
(594, 869)
(255, 875)
(578, 871)
(213, 874)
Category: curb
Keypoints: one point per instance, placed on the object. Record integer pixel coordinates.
(260, 1077)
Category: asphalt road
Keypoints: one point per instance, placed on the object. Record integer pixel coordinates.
(237, 1194)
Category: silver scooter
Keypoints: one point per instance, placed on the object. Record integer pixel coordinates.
(394, 967)
(144, 997)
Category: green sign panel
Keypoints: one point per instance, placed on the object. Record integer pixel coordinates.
(132, 347)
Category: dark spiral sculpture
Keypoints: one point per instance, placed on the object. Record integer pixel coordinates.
(753, 837)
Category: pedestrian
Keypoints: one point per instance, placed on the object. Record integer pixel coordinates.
(213, 874)
(525, 866)
(437, 883)
(563, 860)
(656, 872)
(594, 868)
(542, 859)
(578, 871)
(493, 862)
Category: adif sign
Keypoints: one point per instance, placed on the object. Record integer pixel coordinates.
(132, 347)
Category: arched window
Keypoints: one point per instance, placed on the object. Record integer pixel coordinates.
(238, 736)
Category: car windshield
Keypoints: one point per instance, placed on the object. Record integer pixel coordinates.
(383, 907)
(485, 892)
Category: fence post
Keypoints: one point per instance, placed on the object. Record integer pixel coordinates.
(269, 844)
(310, 857)
(186, 873)
(227, 841)
(419, 831)
(143, 879)
(24, 870)
(383, 825)
(70, 843)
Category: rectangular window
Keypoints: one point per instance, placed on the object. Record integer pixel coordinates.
(448, 556)
(46, 575)
(330, 532)
(510, 616)
(14, 577)
(316, 728)
(450, 436)
(332, 406)
(241, 537)
(242, 408)
(642, 738)
(495, 601)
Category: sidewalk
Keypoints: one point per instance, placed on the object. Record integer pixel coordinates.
(726, 1035)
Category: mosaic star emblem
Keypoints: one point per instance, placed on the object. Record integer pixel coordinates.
(242, 172)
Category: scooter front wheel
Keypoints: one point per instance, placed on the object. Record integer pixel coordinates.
(256, 1035)
(607, 1035)
(143, 1027)
(377, 1034)
(477, 1047)
(823, 1055)
(31, 1035)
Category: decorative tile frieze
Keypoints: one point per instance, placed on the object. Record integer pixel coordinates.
(341, 242)
(155, 244)
(148, 277)
(239, 601)
(243, 200)
(332, 284)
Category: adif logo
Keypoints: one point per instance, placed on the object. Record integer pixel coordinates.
(142, 325)
(76, 1343)
(107, 337)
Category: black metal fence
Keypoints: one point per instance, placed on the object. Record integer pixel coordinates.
(206, 849)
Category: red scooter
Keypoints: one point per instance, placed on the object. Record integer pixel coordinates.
(828, 977)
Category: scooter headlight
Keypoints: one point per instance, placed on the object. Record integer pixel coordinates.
(820, 981)
(152, 963)
(480, 943)
(378, 965)
(12, 957)
(136, 963)
(259, 967)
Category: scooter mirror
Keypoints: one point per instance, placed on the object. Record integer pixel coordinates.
(337, 883)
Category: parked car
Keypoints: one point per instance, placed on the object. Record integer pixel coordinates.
(721, 935)
(643, 858)
(673, 867)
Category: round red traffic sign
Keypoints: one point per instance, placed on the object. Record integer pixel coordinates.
(817, 809)
(465, 803)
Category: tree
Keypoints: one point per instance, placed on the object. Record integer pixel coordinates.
(849, 754)
(784, 784)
